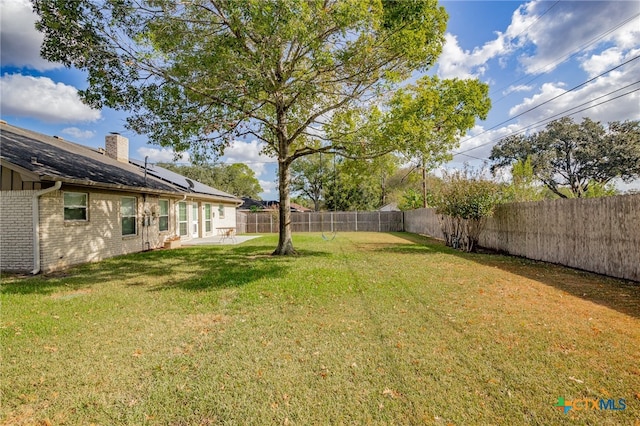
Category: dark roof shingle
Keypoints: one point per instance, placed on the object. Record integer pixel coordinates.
(52, 158)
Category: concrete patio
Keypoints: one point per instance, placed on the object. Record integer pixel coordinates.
(219, 240)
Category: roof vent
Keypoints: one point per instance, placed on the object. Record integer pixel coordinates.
(57, 137)
(34, 160)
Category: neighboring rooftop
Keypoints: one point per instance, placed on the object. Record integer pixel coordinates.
(251, 204)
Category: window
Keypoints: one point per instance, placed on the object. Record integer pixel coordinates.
(207, 218)
(183, 224)
(75, 206)
(163, 217)
(128, 207)
(221, 211)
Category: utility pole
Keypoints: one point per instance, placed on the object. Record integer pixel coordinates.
(424, 184)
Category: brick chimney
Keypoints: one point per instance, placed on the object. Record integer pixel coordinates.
(117, 147)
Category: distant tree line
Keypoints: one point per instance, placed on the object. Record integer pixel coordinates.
(564, 160)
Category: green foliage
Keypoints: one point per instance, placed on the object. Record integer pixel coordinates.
(309, 176)
(463, 202)
(353, 187)
(523, 183)
(426, 120)
(236, 179)
(576, 157)
(411, 199)
(596, 189)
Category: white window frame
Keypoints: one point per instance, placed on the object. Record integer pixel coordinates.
(221, 211)
(76, 206)
(185, 221)
(134, 216)
(160, 215)
(208, 221)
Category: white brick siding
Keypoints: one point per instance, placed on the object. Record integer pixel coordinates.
(66, 243)
(16, 231)
(229, 219)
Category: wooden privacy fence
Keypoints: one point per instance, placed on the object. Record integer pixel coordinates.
(600, 235)
(267, 222)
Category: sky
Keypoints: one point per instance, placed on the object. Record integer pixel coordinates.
(542, 60)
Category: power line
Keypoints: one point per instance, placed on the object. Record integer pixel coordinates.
(537, 19)
(541, 70)
(546, 120)
(552, 99)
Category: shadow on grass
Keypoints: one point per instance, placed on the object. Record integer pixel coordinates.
(193, 268)
(620, 295)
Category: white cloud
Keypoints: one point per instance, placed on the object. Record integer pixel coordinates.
(162, 155)
(269, 188)
(478, 143)
(593, 96)
(42, 98)
(78, 134)
(519, 88)
(249, 153)
(19, 40)
(569, 27)
(599, 63)
(547, 92)
(454, 62)
(546, 35)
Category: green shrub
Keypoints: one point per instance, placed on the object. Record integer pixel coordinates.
(463, 203)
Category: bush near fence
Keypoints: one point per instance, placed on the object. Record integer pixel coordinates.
(600, 235)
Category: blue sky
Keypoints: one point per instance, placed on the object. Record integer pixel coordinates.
(528, 52)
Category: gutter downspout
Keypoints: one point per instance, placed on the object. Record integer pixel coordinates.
(36, 224)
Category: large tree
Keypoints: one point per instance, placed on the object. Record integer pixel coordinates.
(575, 156)
(196, 75)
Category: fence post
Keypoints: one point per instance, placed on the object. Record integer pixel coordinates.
(378, 220)
(356, 220)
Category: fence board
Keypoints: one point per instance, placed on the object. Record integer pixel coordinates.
(267, 222)
(597, 234)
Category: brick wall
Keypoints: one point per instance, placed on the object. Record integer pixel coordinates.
(16, 233)
(66, 243)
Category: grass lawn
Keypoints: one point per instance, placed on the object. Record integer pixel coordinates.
(365, 329)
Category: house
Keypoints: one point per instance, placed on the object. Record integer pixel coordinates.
(391, 207)
(63, 204)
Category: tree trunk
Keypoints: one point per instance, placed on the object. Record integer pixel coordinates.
(285, 243)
